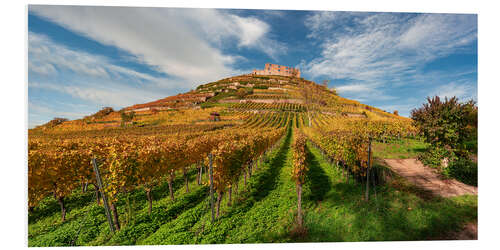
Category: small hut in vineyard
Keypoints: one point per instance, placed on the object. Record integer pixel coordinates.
(214, 116)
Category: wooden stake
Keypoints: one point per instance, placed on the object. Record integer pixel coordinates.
(299, 204)
(103, 195)
(150, 200)
(201, 174)
(115, 216)
(211, 185)
(170, 185)
(367, 193)
(245, 183)
(186, 180)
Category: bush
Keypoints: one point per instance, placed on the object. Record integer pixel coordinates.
(127, 116)
(451, 129)
(54, 122)
(206, 105)
(241, 93)
(262, 77)
(103, 112)
(433, 156)
(260, 87)
(447, 123)
(462, 169)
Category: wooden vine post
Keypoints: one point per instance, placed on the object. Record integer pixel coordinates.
(103, 195)
(210, 172)
(367, 193)
(201, 174)
(299, 204)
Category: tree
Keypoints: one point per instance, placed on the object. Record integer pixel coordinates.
(396, 112)
(241, 93)
(54, 122)
(127, 116)
(103, 112)
(449, 124)
(451, 129)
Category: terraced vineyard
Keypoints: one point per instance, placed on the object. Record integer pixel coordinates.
(295, 165)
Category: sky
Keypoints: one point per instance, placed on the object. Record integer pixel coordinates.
(81, 59)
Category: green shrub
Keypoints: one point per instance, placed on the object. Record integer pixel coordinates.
(262, 77)
(127, 117)
(241, 93)
(206, 105)
(260, 87)
(464, 170)
(447, 123)
(433, 156)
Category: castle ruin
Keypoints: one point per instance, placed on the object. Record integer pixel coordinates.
(274, 69)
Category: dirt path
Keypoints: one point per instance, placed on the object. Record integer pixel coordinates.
(428, 179)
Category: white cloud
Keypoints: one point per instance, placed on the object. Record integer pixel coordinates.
(436, 34)
(251, 29)
(185, 44)
(463, 91)
(319, 21)
(355, 88)
(44, 69)
(322, 22)
(43, 54)
(110, 94)
(84, 81)
(40, 113)
(383, 49)
(179, 42)
(79, 73)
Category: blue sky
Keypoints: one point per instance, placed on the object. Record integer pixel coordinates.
(81, 59)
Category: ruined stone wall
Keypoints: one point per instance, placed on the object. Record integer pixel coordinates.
(274, 69)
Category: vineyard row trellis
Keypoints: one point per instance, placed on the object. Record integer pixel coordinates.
(57, 167)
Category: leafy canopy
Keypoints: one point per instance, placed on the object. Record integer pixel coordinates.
(449, 123)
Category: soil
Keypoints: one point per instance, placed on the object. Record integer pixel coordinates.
(428, 179)
(468, 232)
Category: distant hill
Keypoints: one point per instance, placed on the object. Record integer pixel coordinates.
(243, 93)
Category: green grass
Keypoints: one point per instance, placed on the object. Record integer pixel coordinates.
(399, 148)
(262, 211)
(398, 212)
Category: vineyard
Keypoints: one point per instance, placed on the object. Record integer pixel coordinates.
(299, 168)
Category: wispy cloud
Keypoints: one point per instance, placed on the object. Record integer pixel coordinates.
(378, 50)
(186, 46)
(179, 42)
(435, 35)
(49, 58)
(87, 76)
(72, 76)
(38, 113)
(463, 91)
(364, 92)
(99, 94)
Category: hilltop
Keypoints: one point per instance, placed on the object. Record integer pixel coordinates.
(234, 97)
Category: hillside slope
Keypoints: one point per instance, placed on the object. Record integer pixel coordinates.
(235, 98)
